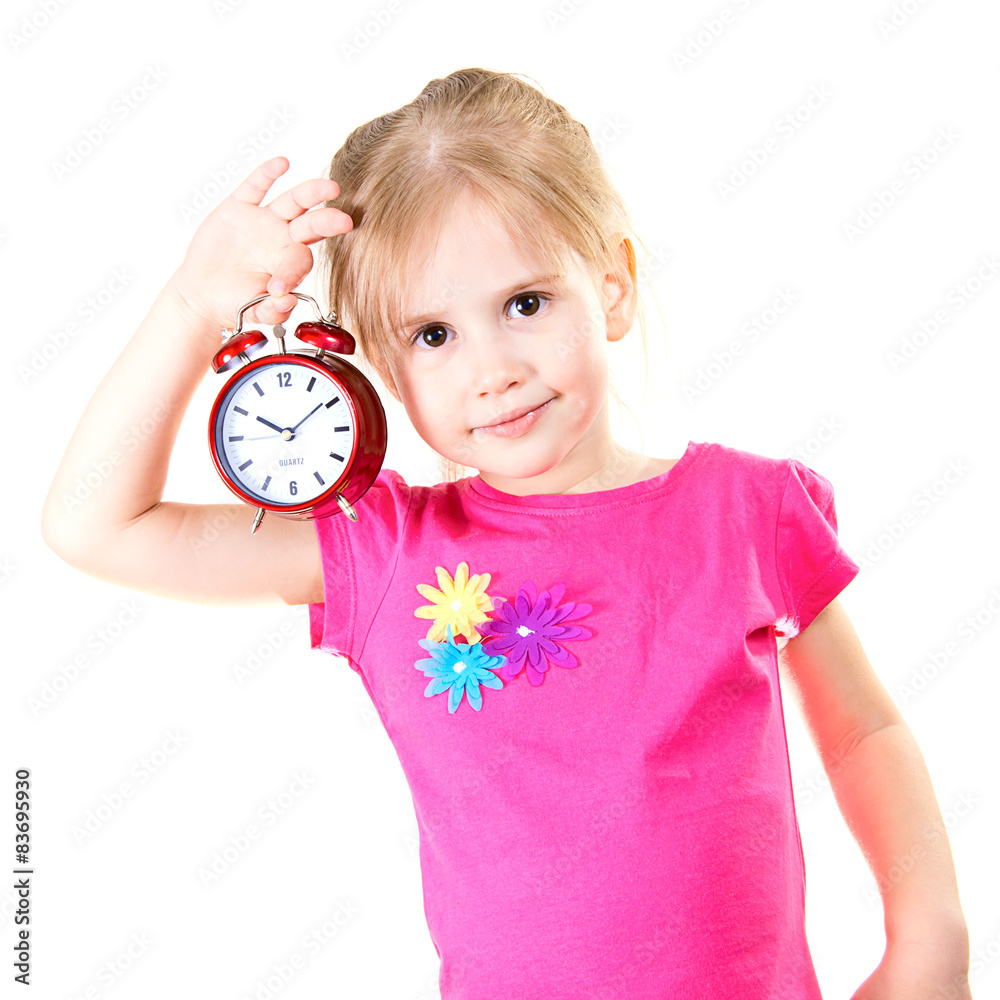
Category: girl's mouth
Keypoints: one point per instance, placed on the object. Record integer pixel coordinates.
(515, 428)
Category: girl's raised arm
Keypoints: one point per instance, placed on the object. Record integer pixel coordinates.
(124, 532)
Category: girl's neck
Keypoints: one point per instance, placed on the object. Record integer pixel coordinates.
(621, 468)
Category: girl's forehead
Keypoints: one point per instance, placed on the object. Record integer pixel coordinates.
(473, 242)
(439, 283)
(467, 221)
(467, 245)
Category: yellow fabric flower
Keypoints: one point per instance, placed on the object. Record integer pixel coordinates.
(460, 603)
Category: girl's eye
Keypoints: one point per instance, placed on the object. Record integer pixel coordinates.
(432, 330)
(532, 303)
(533, 300)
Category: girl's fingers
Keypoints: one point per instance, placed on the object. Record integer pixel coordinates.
(317, 225)
(294, 259)
(292, 203)
(294, 262)
(274, 310)
(256, 185)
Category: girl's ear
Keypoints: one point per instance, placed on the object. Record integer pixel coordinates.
(621, 300)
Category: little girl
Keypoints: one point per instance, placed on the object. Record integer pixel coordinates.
(575, 651)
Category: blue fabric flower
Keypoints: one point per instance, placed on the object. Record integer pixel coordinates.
(458, 668)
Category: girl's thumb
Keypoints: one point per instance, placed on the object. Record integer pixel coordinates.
(293, 264)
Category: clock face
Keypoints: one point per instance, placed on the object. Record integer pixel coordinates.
(285, 433)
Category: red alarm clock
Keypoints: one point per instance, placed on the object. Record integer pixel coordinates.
(299, 433)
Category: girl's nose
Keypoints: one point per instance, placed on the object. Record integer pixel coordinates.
(496, 363)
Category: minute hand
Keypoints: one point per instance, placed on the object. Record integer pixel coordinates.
(306, 417)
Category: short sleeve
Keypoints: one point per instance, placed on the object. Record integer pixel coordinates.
(358, 559)
(812, 567)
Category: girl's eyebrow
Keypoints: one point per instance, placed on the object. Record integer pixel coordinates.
(536, 279)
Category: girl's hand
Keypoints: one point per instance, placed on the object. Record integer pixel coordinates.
(242, 249)
(919, 970)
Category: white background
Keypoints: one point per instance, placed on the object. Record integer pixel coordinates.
(818, 383)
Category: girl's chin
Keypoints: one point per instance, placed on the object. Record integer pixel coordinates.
(522, 468)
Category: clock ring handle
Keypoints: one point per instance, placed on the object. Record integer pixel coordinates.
(332, 318)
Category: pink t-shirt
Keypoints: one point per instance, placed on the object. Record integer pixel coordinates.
(582, 691)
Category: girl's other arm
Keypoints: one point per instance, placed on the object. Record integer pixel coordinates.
(884, 792)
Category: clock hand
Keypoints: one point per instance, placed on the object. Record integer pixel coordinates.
(306, 417)
(269, 424)
(291, 430)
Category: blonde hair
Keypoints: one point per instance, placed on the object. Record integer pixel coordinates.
(521, 154)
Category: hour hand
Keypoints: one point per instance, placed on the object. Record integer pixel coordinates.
(269, 424)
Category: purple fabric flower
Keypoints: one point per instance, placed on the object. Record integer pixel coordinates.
(529, 631)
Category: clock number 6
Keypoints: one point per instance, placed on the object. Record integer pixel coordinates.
(293, 487)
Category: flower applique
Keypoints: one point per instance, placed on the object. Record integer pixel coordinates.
(526, 634)
(530, 631)
(459, 668)
(460, 603)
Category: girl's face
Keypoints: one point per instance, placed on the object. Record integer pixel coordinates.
(487, 334)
